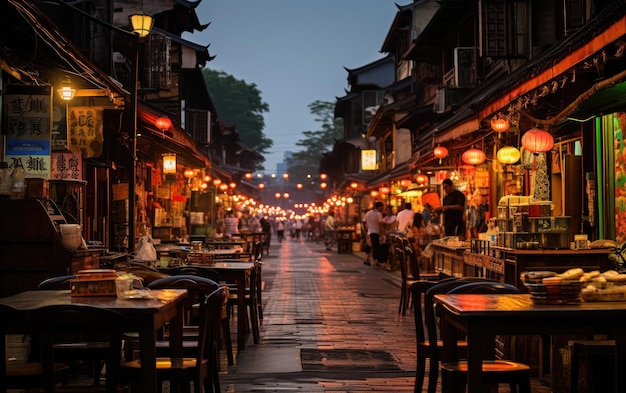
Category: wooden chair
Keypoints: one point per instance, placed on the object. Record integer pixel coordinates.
(201, 369)
(429, 345)
(409, 271)
(74, 348)
(21, 374)
(51, 321)
(454, 374)
(198, 288)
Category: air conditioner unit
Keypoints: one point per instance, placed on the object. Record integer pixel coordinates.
(464, 67)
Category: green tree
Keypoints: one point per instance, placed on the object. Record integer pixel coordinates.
(315, 143)
(239, 102)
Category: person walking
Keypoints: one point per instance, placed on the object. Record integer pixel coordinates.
(280, 231)
(231, 224)
(453, 210)
(405, 218)
(329, 230)
(373, 220)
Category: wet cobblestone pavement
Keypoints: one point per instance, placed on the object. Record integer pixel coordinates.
(331, 324)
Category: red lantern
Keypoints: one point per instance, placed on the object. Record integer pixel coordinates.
(163, 123)
(500, 124)
(421, 179)
(537, 141)
(440, 152)
(474, 157)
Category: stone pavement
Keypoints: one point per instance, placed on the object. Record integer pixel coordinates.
(331, 324)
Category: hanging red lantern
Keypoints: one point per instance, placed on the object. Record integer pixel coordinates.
(163, 123)
(474, 157)
(537, 140)
(500, 124)
(440, 152)
(421, 179)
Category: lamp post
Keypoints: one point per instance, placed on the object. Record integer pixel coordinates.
(141, 24)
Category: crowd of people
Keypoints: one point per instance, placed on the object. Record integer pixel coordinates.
(453, 217)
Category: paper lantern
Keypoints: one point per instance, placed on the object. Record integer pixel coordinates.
(163, 123)
(169, 163)
(189, 173)
(421, 179)
(384, 190)
(537, 141)
(508, 155)
(474, 157)
(440, 152)
(500, 124)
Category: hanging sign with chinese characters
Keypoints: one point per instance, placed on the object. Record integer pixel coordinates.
(368, 160)
(66, 166)
(85, 131)
(28, 118)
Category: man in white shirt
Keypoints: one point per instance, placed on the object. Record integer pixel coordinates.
(329, 230)
(372, 220)
(405, 218)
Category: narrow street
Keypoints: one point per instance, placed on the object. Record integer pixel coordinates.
(331, 324)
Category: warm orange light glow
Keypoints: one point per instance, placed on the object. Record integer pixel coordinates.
(217, 182)
(286, 195)
(285, 176)
(500, 124)
(299, 186)
(232, 185)
(204, 186)
(207, 178)
(374, 193)
(261, 186)
(189, 173)
(323, 176)
(163, 123)
(277, 195)
(354, 185)
(508, 155)
(473, 156)
(248, 175)
(323, 185)
(384, 190)
(224, 187)
(537, 140)
(440, 152)
(169, 163)
(421, 179)
(405, 183)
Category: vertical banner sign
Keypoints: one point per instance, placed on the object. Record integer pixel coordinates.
(28, 118)
(66, 166)
(368, 160)
(85, 131)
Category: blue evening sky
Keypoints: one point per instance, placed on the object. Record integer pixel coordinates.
(295, 52)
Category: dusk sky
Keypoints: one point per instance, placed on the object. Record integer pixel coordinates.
(295, 52)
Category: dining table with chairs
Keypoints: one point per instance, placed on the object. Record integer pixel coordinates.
(483, 316)
(145, 314)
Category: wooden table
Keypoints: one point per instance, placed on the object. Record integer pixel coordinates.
(482, 317)
(238, 272)
(145, 316)
(224, 244)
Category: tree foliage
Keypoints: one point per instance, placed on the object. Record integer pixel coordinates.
(239, 102)
(316, 143)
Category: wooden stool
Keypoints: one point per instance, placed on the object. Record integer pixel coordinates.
(599, 358)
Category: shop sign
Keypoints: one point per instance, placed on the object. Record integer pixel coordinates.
(66, 166)
(28, 118)
(368, 160)
(85, 130)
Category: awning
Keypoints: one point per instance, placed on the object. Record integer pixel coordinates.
(153, 142)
